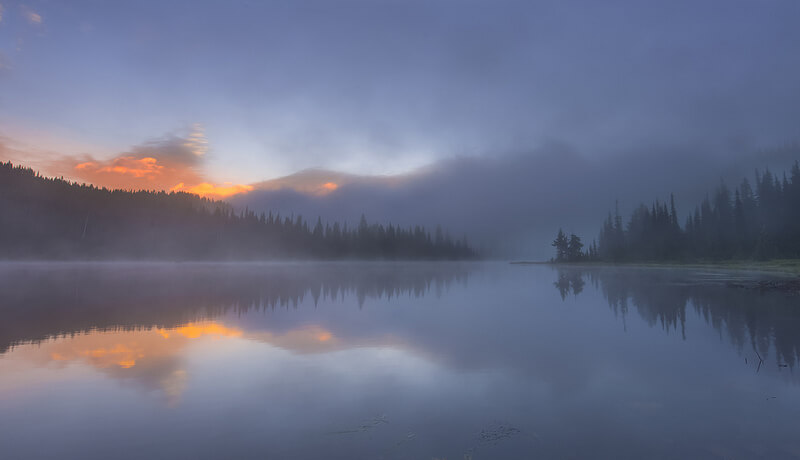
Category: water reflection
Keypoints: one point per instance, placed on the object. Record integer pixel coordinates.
(766, 322)
(40, 301)
(395, 361)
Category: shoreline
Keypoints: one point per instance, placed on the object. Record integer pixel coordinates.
(778, 266)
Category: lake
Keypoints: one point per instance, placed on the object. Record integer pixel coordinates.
(393, 361)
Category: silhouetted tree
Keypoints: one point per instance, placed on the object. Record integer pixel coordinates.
(574, 248)
(744, 224)
(562, 246)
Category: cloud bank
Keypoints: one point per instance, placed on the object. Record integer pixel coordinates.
(512, 205)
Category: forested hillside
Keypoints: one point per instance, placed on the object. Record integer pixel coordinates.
(748, 223)
(50, 218)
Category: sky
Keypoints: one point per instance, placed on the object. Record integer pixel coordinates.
(223, 98)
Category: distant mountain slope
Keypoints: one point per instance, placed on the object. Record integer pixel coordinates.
(511, 205)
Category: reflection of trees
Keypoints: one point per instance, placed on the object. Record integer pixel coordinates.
(569, 282)
(42, 301)
(752, 318)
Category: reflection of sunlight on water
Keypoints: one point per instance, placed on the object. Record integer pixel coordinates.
(155, 357)
(195, 330)
(151, 357)
(173, 386)
(124, 349)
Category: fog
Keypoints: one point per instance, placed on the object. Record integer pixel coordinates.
(502, 121)
(511, 206)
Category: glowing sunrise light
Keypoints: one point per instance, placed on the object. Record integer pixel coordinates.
(193, 331)
(208, 190)
(146, 167)
(325, 188)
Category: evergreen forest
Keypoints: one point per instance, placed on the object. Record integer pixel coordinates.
(758, 221)
(52, 218)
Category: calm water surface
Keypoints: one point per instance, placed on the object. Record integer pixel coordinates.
(393, 361)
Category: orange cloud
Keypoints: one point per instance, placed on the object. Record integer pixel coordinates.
(147, 167)
(213, 191)
(312, 182)
(170, 163)
(128, 171)
(321, 182)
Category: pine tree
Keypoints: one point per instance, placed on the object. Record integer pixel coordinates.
(562, 246)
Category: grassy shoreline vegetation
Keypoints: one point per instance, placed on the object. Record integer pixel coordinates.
(779, 266)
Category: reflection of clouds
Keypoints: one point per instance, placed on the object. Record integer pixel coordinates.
(305, 339)
(42, 301)
(151, 357)
(173, 385)
(195, 330)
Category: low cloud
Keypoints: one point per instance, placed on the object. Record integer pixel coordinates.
(513, 205)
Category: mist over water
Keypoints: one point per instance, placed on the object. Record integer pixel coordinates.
(406, 360)
(272, 229)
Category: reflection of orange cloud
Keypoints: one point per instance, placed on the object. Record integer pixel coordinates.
(213, 191)
(151, 356)
(195, 330)
(309, 339)
(128, 348)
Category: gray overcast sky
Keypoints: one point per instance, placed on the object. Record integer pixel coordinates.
(377, 87)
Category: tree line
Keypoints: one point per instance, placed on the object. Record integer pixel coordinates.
(52, 218)
(39, 303)
(748, 223)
